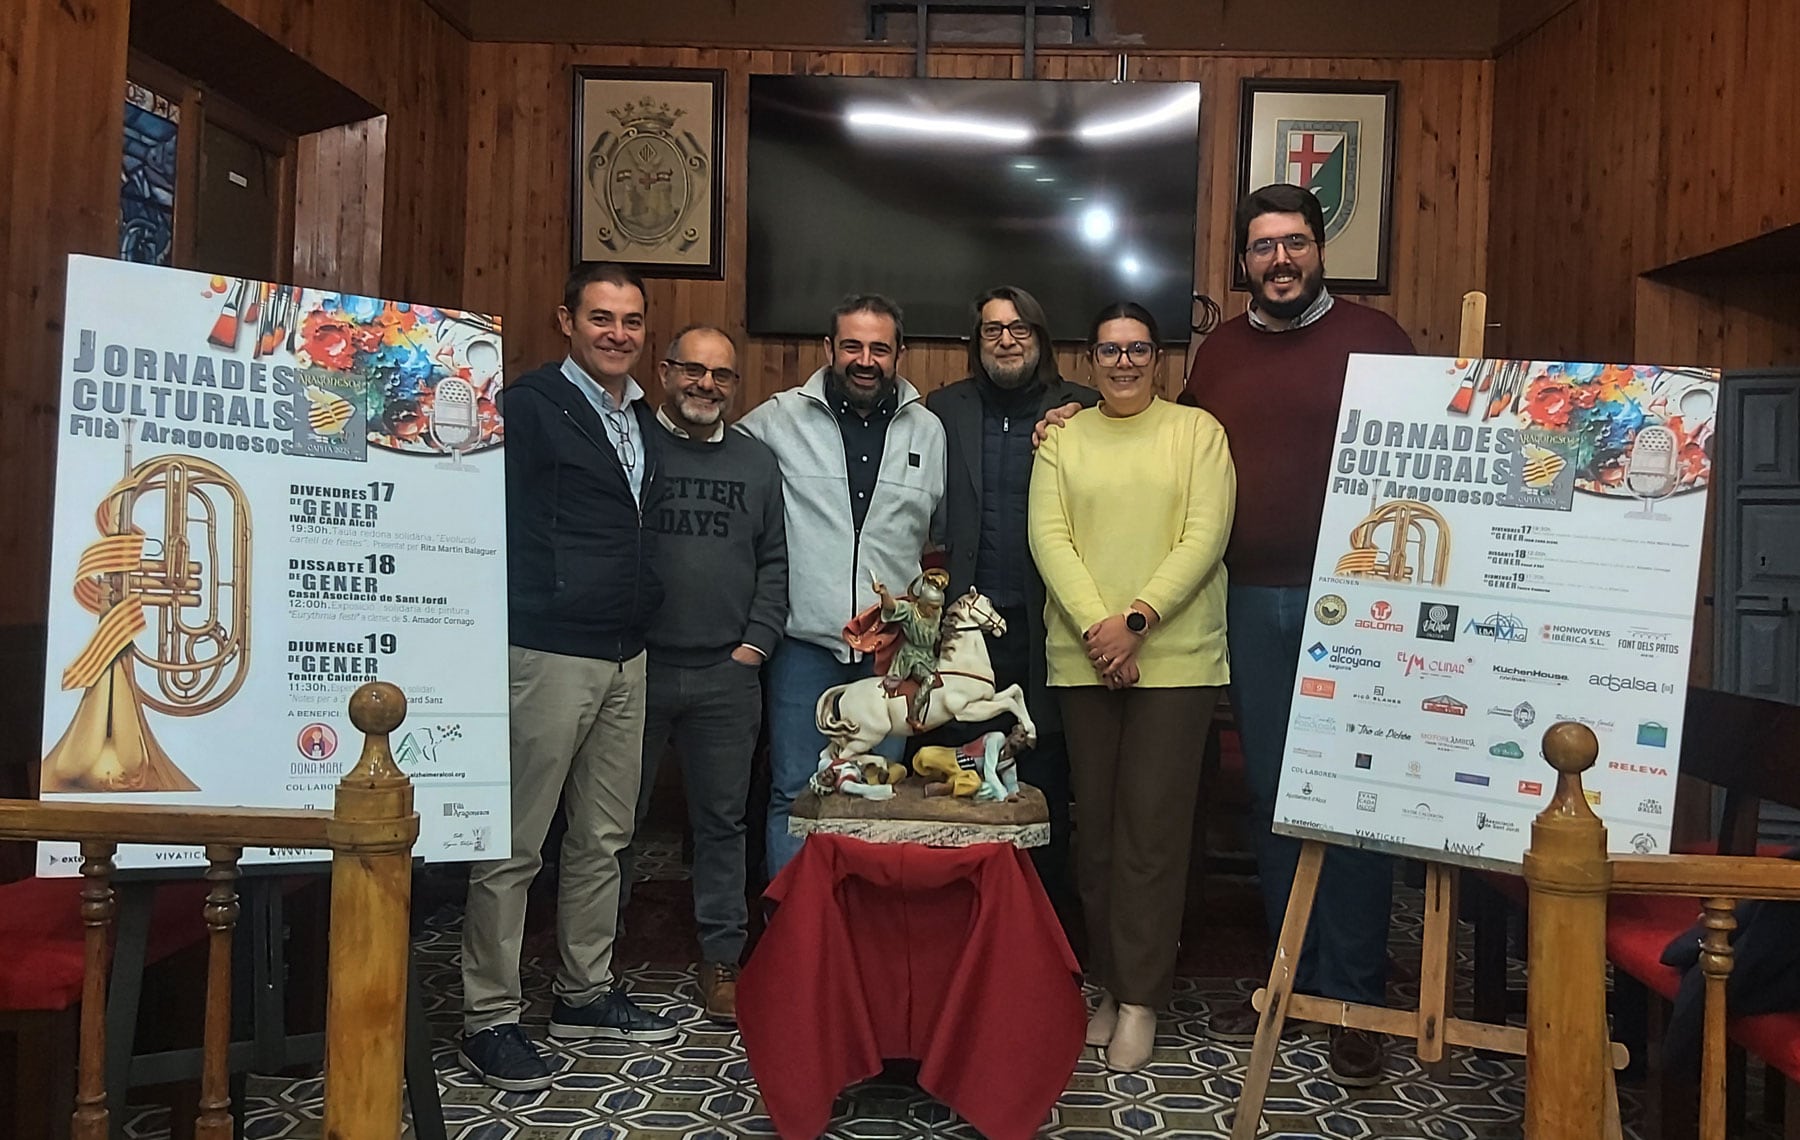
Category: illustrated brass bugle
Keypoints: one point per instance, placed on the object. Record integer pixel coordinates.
(1400, 541)
(196, 579)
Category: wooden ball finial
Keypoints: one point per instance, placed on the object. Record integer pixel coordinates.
(1571, 747)
(377, 707)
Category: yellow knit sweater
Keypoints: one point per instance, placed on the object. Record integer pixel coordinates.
(1136, 508)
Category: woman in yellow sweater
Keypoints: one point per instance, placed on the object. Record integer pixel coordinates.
(1131, 505)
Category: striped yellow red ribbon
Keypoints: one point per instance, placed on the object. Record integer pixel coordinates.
(114, 554)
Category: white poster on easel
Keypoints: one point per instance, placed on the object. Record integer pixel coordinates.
(1505, 544)
(265, 497)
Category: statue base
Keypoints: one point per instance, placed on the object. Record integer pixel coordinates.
(911, 816)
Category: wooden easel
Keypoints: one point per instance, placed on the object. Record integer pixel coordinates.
(1432, 1025)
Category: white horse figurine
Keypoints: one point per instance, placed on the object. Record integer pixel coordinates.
(858, 716)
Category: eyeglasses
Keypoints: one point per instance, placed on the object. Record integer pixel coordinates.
(1019, 330)
(620, 429)
(1137, 352)
(1295, 244)
(694, 370)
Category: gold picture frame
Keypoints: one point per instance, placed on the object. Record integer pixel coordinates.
(648, 186)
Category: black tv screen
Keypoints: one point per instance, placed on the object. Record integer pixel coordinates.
(934, 190)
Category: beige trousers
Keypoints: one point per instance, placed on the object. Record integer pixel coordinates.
(577, 735)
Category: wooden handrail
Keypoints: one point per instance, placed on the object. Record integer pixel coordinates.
(370, 833)
(1727, 876)
(1569, 874)
(163, 823)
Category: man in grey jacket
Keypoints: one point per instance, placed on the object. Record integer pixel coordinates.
(862, 469)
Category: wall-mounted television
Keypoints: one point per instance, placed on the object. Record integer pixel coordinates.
(934, 190)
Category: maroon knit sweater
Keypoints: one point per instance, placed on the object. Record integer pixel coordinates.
(1277, 393)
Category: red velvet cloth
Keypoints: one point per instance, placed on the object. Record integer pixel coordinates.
(42, 941)
(952, 956)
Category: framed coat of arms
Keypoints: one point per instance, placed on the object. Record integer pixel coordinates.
(1336, 138)
(649, 188)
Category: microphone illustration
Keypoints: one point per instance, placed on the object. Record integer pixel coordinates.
(455, 422)
(1652, 468)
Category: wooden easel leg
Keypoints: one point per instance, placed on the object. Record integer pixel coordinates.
(1275, 997)
(1436, 959)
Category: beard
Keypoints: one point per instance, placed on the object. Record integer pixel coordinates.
(703, 413)
(1312, 282)
(862, 399)
(1010, 374)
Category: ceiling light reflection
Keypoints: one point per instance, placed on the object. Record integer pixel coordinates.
(937, 126)
(1182, 105)
(1098, 224)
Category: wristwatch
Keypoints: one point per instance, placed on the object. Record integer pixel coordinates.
(1136, 622)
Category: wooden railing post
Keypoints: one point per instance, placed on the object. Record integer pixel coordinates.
(1715, 967)
(214, 1122)
(90, 1121)
(372, 830)
(1567, 1048)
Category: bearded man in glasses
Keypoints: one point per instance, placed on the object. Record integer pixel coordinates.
(1013, 379)
(1274, 378)
(721, 554)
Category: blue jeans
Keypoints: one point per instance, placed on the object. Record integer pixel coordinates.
(798, 673)
(1346, 942)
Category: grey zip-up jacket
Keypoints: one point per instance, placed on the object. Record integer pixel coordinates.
(829, 562)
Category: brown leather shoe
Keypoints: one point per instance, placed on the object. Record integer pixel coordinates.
(1234, 1022)
(718, 991)
(1356, 1057)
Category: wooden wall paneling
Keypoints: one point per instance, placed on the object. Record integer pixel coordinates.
(1722, 322)
(62, 123)
(516, 242)
(1546, 266)
(1631, 136)
(407, 60)
(340, 191)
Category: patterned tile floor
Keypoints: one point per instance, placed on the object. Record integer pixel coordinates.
(700, 1088)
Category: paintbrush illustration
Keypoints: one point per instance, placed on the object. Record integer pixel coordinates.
(225, 330)
(274, 328)
(258, 294)
(1502, 393)
(294, 325)
(1465, 393)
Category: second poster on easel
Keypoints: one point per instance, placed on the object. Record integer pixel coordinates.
(1505, 544)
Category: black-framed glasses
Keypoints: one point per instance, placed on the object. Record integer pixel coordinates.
(619, 428)
(694, 370)
(991, 330)
(1137, 352)
(1295, 244)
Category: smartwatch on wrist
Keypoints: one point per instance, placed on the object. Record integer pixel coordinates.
(1136, 622)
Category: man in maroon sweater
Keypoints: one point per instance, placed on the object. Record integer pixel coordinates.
(1273, 377)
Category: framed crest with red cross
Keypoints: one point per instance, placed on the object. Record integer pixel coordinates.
(1335, 138)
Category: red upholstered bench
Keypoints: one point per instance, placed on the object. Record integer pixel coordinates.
(40, 926)
(1749, 749)
(1638, 930)
(41, 958)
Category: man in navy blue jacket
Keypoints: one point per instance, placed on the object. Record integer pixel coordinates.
(581, 453)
